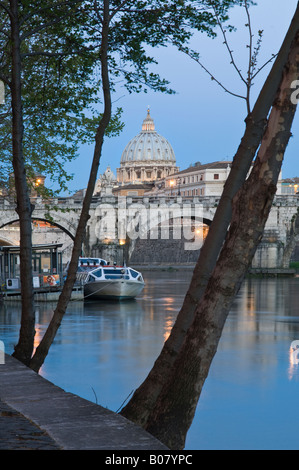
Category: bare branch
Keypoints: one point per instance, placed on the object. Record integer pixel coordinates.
(250, 64)
(230, 51)
(211, 75)
(265, 64)
(252, 57)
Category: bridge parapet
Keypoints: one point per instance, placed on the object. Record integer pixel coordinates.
(281, 231)
(286, 200)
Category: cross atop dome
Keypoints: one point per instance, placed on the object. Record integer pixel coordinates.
(148, 123)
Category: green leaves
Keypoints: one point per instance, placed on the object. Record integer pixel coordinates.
(61, 75)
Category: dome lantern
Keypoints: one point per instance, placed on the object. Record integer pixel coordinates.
(148, 123)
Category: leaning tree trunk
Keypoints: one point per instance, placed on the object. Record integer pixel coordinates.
(176, 405)
(24, 348)
(143, 400)
(44, 346)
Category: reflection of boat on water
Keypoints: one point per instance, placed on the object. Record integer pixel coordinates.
(113, 282)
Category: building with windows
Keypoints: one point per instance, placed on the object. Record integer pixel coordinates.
(290, 186)
(197, 180)
(205, 180)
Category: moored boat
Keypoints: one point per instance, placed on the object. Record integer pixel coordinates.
(113, 282)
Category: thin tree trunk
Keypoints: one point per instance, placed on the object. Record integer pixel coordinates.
(43, 348)
(175, 408)
(143, 400)
(24, 348)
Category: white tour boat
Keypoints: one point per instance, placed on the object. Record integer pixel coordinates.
(113, 282)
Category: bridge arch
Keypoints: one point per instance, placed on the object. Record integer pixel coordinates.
(56, 224)
(51, 222)
(291, 242)
(6, 241)
(170, 241)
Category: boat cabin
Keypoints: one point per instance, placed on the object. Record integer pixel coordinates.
(113, 273)
(46, 266)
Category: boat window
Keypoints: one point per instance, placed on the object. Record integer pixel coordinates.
(97, 273)
(91, 262)
(134, 273)
(114, 273)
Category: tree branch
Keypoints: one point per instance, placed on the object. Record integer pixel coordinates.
(8, 11)
(4, 79)
(41, 10)
(227, 45)
(263, 66)
(116, 10)
(249, 78)
(211, 75)
(43, 26)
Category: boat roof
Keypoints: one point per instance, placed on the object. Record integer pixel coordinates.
(111, 266)
(16, 249)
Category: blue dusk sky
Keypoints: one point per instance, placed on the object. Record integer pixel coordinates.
(201, 121)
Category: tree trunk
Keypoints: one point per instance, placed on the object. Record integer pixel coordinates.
(24, 348)
(143, 400)
(176, 405)
(43, 348)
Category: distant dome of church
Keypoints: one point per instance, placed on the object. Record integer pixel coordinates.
(148, 146)
(147, 157)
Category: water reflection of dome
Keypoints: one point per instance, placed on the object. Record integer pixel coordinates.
(147, 157)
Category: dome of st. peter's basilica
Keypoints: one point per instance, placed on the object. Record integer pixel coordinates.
(147, 157)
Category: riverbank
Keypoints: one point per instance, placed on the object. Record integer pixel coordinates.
(36, 414)
(252, 272)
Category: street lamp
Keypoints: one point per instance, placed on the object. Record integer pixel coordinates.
(294, 186)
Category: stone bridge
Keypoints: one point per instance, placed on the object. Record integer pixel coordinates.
(156, 230)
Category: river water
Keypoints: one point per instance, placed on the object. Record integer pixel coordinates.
(104, 350)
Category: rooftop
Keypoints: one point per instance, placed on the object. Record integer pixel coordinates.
(207, 166)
